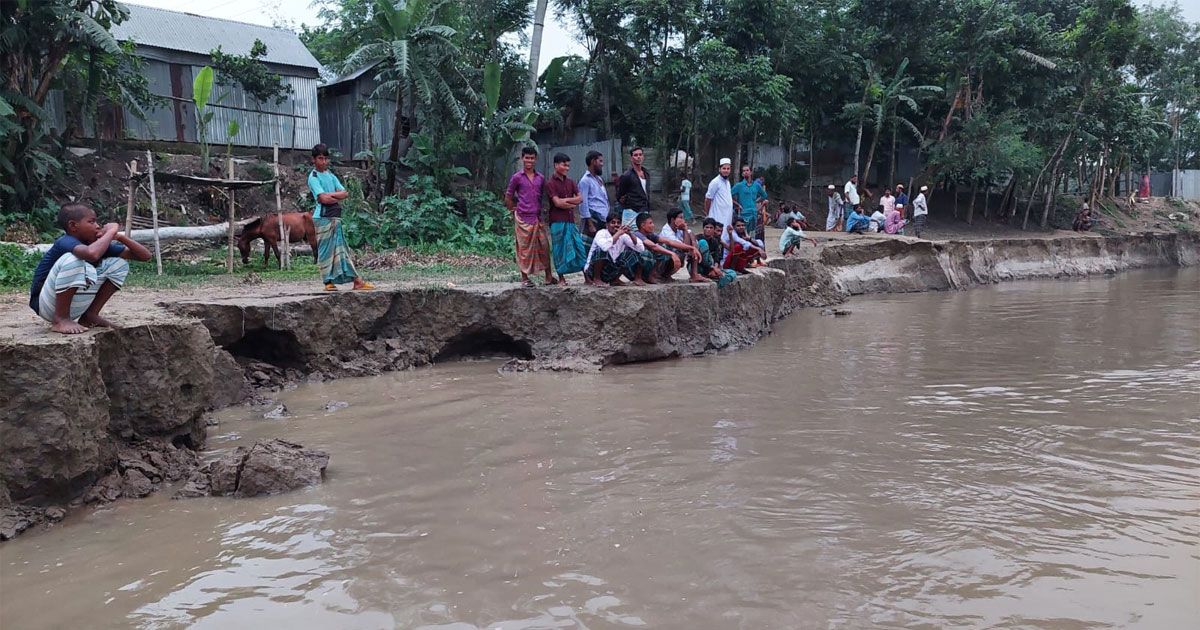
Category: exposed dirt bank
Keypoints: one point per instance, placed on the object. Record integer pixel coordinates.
(69, 406)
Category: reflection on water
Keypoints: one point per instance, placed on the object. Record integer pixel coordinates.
(1025, 455)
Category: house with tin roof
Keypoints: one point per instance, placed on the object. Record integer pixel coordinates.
(175, 46)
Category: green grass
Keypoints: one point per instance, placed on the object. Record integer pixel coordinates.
(209, 270)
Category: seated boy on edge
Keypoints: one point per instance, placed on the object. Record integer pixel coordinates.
(657, 258)
(613, 253)
(677, 236)
(741, 251)
(712, 252)
(791, 237)
(81, 271)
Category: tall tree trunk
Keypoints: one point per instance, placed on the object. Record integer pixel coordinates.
(892, 173)
(810, 163)
(535, 50)
(862, 119)
(870, 156)
(406, 109)
(971, 204)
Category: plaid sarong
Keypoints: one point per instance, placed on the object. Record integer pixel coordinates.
(567, 247)
(333, 255)
(533, 247)
(625, 265)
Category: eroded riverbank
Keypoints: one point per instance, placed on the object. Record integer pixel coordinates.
(70, 405)
(1020, 455)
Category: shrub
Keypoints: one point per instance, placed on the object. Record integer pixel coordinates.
(473, 222)
(16, 266)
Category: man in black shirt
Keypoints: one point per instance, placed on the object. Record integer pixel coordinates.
(633, 189)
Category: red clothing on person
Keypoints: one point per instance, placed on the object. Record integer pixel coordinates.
(564, 188)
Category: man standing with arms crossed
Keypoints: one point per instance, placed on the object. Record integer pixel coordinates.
(718, 201)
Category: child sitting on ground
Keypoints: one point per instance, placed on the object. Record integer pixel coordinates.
(712, 252)
(679, 238)
(741, 251)
(791, 237)
(877, 219)
(657, 260)
(81, 271)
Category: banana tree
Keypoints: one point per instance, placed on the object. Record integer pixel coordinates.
(202, 87)
(503, 130)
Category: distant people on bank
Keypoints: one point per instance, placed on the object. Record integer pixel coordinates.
(792, 235)
(850, 196)
(894, 223)
(920, 211)
(718, 201)
(750, 200)
(524, 199)
(677, 236)
(633, 188)
(887, 201)
(857, 222)
(685, 196)
(614, 253)
(875, 221)
(333, 255)
(595, 208)
(659, 263)
(836, 211)
(1083, 220)
(742, 252)
(566, 243)
(901, 199)
(787, 212)
(81, 271)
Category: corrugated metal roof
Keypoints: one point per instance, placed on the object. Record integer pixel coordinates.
(350, 76)
(172, 30)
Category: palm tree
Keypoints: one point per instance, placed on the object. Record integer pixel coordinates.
(412, 50)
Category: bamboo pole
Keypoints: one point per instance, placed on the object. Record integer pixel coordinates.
(285, 253)
(232, 218)
(154, 212)
(132, 168)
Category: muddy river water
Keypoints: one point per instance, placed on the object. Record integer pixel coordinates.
(1019, 456)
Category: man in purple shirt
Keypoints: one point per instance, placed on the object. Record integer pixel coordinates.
(524, 199)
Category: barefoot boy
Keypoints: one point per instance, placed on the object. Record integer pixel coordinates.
(613, 253)
(81, 271)
(658, 260)
(791, 237)
(677, 236)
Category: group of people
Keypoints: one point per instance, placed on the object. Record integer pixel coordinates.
(846, 210)
(584, 232)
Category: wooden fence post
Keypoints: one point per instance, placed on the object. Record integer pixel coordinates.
(232, 219)
(285, 253)
(154, 211)
(132, 168)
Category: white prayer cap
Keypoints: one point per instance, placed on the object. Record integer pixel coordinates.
(924, 188)
(832, 187)
(725, 161)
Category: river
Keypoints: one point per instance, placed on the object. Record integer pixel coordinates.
(1024, 455)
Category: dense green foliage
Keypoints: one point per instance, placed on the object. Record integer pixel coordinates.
(1027, 97)
(425, 217)
(16, 266)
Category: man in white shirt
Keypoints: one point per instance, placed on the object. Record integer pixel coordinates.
(835, 210)
(920, 211)
(850, 193)
(676, 235)
(614, 253)
(718, 201)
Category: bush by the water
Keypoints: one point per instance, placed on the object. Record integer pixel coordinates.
(473, 221)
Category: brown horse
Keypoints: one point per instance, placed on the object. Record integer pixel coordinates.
(299, 226)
